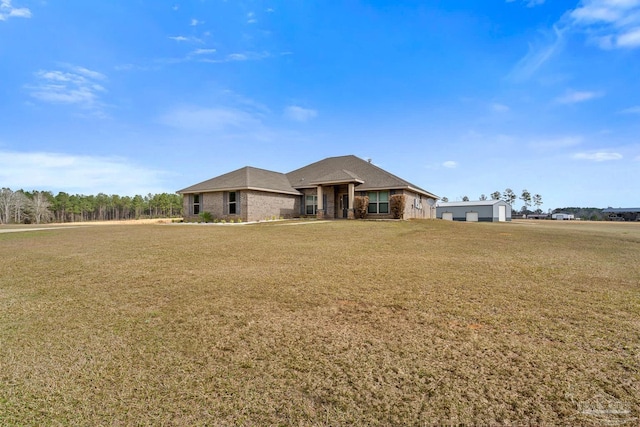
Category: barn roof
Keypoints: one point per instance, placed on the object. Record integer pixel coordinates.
(621, 210)
(470, 203)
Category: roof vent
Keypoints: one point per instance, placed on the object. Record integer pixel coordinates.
(369, 160)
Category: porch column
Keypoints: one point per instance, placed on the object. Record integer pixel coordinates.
(320, 210)
(352, 195)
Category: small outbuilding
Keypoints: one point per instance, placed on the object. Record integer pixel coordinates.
(475, 211)
(561, 216)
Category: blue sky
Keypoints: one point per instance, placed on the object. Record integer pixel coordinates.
(459, 97)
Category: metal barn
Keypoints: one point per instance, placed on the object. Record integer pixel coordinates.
(475, 211)
(561, 216)
(622, 214)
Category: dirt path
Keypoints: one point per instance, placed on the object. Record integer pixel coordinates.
(57, 226)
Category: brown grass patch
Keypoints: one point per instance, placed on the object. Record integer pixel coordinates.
(342, 323)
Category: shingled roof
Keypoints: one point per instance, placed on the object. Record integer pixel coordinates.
(330, 171)
(246, 178)
(350, 169)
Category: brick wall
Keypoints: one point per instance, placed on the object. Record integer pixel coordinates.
(260, 205)
(253, 205)
(263, 205)
(410, 210)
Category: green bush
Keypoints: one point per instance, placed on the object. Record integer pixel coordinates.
(206, 216)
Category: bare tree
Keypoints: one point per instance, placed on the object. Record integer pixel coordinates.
(6, 203)
(483, 197)
(40, 207)
(20, 204)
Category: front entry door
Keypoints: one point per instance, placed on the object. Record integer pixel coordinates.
(345, 206)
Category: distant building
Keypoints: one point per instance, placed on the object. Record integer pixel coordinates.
(475, 211)
(537, 216)
(622, 214)
(562, 216)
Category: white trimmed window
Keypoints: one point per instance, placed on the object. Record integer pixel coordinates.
(378, 202)
(311, 204)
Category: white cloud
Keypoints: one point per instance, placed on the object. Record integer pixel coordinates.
(450, 164)
(77, 174)
(500, 108)
(194, 22)
(251, 18)
(573, 96)
(530, 3)
(88, 73)
(556, 143)
(538, 55)
(238, 57)
(299, 114)
(598, 156)
(203, 52)
(185, 39)
(610, 24)
(75, 85)
(197, 119)
(631, 110)
(8, 11)
(630, 39)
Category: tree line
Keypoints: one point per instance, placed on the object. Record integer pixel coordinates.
(510, 197)
(38, 207)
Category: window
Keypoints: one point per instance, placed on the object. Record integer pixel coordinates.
(232, 203)
(311, 205)
(378, 202)
(196, 204)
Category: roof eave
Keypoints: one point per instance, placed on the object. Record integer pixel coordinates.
(336, 182)
(401, 187)
(219, 190)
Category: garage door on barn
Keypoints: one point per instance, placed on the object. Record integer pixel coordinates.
(447, 216)
(472, 217)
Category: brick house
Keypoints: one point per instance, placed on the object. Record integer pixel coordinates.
(324, 189)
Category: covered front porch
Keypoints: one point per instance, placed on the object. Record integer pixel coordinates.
(335, 195)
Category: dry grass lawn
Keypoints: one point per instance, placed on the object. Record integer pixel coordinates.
(338, 323)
